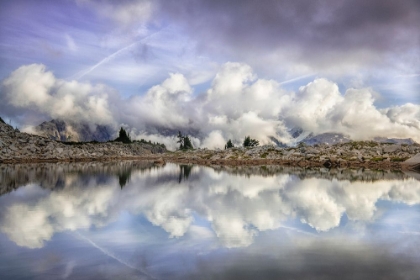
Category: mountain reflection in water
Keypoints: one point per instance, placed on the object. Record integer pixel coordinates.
(135, 220)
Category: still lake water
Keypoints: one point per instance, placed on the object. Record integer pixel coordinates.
(133, 220)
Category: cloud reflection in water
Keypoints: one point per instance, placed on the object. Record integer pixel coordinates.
(200, 212)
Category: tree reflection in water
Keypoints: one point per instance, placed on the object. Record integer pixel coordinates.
(184, 172)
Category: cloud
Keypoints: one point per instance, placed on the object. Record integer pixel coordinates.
(214, 140)
(282, 38)
(32, 86)
(318, 36)
(236, 104)
(124, 13)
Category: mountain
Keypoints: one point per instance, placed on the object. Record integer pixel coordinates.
(74, 132)
(407, 141)
(308, 138)
(331, 138)
(328, 138)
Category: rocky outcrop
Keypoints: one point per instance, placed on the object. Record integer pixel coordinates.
(412, 163)
(326, 138)
(74, 132)
(23, 147)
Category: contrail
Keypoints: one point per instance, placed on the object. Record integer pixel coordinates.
(298, 230)
(106, 59)
(79, 75)
(297, 79)
(111, 255)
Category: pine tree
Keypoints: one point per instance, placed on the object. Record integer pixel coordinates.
(248, 142)
(229, 144)
(184, 142)
(123, 136)
(180, 140)
(187, 143)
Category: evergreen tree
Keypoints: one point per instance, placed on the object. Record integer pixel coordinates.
(229, 144)
(123, 136)
(184, 142)
(249, 142)
(180, 140)
(187, 143)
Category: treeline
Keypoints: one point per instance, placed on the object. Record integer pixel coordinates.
(184, 142)
(248, 142)
(124, 137)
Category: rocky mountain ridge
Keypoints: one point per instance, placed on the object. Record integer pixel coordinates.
(66, 131)
(332, 138)
(16, 146)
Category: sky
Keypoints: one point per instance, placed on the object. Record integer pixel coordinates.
(216, 70)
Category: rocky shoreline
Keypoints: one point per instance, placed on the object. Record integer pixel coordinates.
(18, 147)
(349, 155)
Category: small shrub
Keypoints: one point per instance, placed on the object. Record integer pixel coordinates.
(264, 155)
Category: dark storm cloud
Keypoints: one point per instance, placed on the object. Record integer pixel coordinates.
(308, 29)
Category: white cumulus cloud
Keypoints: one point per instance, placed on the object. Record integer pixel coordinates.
(236, 104)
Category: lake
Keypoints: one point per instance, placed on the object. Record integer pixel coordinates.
(135, 220)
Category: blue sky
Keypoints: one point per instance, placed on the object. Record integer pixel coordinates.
(131, 46)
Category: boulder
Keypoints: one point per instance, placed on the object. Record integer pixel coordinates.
(412, 163)
(392, 148)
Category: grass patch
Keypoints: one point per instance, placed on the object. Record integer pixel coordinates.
(207, 156)
(264, 155)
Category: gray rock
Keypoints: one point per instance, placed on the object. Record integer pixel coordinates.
(311, 150)
(412, 163)
(70, 131)
(392, 148)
